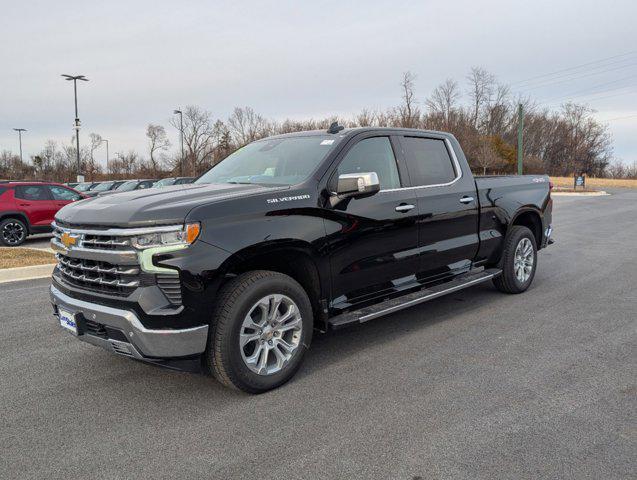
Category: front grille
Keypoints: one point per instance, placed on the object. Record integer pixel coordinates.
(106, 242)
(114, 245)
(99, 276)
(98, 241)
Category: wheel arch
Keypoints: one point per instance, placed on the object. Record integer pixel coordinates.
(17, 215)
(294, 258)
(530, 218)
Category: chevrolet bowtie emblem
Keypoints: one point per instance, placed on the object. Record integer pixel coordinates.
(68, 240)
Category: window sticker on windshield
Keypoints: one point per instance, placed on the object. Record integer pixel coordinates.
(327, 142)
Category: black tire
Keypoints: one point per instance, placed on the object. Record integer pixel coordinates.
(13, 232)
(508, 282)
(223, 355)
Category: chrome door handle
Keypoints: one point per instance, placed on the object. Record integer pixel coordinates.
(466, 199)
(404, 208)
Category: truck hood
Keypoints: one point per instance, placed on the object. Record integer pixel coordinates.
(154, 206)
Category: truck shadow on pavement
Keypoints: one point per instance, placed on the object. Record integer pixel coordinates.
(160, 387)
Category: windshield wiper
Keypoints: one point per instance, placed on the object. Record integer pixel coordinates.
(241, 183)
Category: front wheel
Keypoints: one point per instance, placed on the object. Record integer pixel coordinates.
(13, 232)
(261, 328)
(519, 261)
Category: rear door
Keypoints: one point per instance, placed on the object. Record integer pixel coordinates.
(36, 202)
(372, 240)
(448, 225)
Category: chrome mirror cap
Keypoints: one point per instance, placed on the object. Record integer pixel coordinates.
(357, 184)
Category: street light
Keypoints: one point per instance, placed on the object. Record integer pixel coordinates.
(20, 130)
(181, 131)
(75, 78)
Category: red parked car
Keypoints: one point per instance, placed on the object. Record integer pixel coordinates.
(29, 207)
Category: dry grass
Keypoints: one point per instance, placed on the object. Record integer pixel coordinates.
(595, 182)
(11, 257)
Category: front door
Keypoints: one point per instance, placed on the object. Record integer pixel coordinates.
(447, 201)
(372, 241)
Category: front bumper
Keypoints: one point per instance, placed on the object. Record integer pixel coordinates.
(120, 331)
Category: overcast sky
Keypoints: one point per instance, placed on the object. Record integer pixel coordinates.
(297, 59)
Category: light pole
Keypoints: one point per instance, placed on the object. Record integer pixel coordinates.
(75, 78)
(20, 130)
(181, 131)
(105, 141)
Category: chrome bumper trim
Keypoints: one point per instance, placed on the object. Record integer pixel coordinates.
(144, 342)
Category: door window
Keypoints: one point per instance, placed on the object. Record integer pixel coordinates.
(146, 184)
(428, 161)
(31, 192)
(372, 155)
(64, 194)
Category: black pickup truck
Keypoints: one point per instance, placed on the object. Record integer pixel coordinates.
(290, 235)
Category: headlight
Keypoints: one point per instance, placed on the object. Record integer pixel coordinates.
(182, 235)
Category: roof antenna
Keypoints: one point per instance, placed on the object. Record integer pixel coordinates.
(335, 128)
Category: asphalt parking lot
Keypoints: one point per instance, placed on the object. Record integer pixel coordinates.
(475, 385)
(41, 240)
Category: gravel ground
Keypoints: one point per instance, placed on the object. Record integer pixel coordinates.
(476, 385)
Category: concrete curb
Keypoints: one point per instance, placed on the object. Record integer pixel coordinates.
(579, 194)
(26, 273)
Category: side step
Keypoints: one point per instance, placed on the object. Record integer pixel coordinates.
(411, 299)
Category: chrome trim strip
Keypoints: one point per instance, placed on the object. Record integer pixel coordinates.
(120, 232)
(116, 257)
(456, 165)
(425, 298)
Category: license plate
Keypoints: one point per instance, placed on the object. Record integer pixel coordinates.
(67, 320)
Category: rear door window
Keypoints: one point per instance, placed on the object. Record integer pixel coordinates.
(32, 192)
(428, 161)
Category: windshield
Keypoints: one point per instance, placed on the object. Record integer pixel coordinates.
(127, 186)
(103, 187)
(276, 161)
(83, 187)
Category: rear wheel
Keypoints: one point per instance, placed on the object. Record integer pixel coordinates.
(13, 232)
(519, 261)
(262, 326)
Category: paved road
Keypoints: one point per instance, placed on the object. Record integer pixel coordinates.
(477, 385)
(41, 240)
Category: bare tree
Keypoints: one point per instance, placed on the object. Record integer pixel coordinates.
(96, 141)
(157, 142)
(246, 125)
(199, 137)
(488, 157)
(481, 85)
(365, 118)
(408, 112)
(444, 100)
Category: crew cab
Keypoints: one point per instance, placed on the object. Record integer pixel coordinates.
(29, 207)
(290, 235)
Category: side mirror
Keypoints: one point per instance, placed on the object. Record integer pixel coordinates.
(357, 185)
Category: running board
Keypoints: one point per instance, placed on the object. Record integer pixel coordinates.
(395, 304)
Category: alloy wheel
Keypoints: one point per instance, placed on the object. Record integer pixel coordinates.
(270, 334)
(13, 233)
(524, 260)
